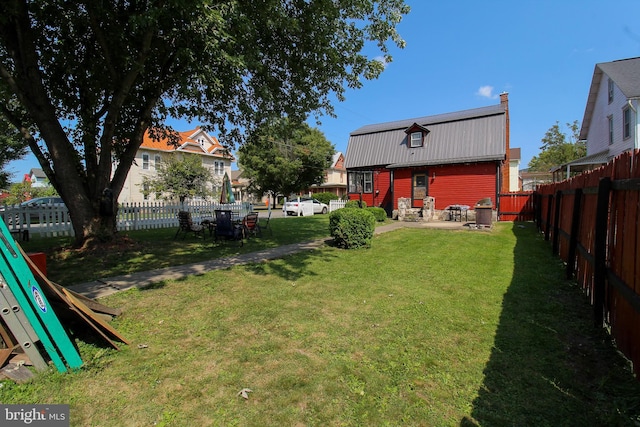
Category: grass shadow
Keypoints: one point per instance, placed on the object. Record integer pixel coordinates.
(549, 366)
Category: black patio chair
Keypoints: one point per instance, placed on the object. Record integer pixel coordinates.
(186, 226)
(227, 228)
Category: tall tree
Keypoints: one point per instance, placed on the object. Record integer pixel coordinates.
(558, 148)
(87, 78)
(285, 157)
(180, 179)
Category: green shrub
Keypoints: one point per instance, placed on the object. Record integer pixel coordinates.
(352, 228)
(379, 213)
(325, 197)
(355, 204)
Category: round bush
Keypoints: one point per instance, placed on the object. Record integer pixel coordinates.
(352, 228)
(379, 213)
(355, 204)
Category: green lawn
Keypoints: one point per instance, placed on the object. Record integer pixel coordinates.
(157, 248)
(426, 328)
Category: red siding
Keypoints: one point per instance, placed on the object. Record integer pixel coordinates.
(401, 185)
(382, 187)
(453, 184)
(463, 184)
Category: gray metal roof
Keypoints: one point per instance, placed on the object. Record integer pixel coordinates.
(465, 136)
(625, 73)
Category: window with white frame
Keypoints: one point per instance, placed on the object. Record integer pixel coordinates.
(157, 159)
(610, 90)
(360, 181)
(610, 120)
(416, 139)
(145, 191)
(218, 168)
(626, 122)
(145, 161)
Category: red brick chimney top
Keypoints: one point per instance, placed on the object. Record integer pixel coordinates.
(504, 99)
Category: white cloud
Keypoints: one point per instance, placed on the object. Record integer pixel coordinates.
(486, 92)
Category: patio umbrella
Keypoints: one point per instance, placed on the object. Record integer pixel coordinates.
(226, 195)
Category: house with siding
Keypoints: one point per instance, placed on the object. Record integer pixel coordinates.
(610, 123)
(457, 158)
(37, 177)
(335, 178)
(515, 180)
(153, 151)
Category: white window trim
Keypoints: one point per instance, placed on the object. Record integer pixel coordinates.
(415, 142)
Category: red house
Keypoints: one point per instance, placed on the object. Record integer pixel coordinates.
(457, 158)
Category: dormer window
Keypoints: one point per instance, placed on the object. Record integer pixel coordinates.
(416, 139)
(416, 135)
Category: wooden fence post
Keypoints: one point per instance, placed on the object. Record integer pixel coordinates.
(600, 250)
(575, 229)
(556, 224)
(547, 229)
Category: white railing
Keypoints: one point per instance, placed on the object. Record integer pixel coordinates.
(334, 205)
(51, 221)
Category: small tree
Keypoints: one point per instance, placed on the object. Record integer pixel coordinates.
(558, 148)
(285, 157)
(180, 179)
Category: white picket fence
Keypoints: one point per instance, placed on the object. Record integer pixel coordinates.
(334, 205)
(51, 221)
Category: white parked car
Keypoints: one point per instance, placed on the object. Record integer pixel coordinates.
(295, 207)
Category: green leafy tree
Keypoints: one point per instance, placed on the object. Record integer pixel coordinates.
(558, 148)
(285, 157)
(179, 179)
(22, 191)
(88, 78)
(11, 148)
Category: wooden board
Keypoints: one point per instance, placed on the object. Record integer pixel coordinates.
(80, 309)
(92, 304)
(86, 310)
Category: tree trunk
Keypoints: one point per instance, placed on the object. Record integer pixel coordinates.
(94, 223)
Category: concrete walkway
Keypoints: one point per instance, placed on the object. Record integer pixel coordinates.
(104, 287)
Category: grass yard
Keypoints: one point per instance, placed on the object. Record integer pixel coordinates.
(145, 250)
(426, 328)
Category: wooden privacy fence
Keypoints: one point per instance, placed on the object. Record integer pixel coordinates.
(592, 221)
(516, 206)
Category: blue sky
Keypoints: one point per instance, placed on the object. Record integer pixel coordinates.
(463, 54)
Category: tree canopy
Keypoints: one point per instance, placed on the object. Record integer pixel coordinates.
(82, 81)
(558, 148)
(180, 178)
(285, 157)
(11, 148)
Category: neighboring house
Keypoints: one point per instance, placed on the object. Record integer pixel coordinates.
(610, 124)
(531, 180)
(515, 182)
(457, 158)
(335, 178)
(240, 186)
(214, 156)
(37, 177)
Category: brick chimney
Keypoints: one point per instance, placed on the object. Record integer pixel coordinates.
(504, 101)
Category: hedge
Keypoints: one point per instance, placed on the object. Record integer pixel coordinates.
(352, 228)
